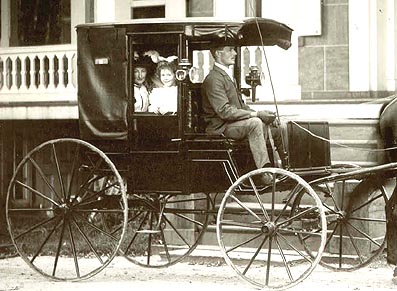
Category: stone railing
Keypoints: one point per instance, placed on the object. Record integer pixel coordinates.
(38, 74)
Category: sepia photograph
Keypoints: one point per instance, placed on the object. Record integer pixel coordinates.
(198, 144)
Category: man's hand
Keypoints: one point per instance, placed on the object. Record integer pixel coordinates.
(266, 116)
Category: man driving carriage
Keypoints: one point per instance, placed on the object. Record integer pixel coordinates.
(226, 113)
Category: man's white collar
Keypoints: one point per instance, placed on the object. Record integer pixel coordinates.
(226, 69)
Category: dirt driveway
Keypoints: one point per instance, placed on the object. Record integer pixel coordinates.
(204, 276)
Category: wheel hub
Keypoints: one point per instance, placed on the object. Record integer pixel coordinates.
(268, 228)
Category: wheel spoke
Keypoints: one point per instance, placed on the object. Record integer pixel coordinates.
(60, 179)
(364, 234)
(255, 255)
(149, 250)
(268, 263)
(90, 199)
(87, 240)
(280, 250)
(74, 253)
(354, 245)
(245, 207)
(189, 219)
(88, 180)
(300, 214)
(176, 231)
(340, 244)
(331, 235)
(45, 241)
(43, 176)
(367, 219)
(244, 243)
(367, 202)
(295, 231)
(73, 171)
(290, 196)
(96, 227)
(136, 232)
(254, 226)
(34, 227)
(59, 247)
(167, 253)
(37, 192)
(307, 258)
(259, 199)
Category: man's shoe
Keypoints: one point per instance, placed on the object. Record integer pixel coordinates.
(265, 179)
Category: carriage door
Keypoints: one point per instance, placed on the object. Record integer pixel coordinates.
(154, 115)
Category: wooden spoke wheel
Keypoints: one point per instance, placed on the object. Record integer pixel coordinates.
(257, 233)
(164, 229)
(56, 203)
(356, 221)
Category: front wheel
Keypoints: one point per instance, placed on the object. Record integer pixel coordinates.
(258, 233)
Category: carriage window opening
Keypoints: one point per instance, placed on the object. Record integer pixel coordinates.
(155, 88)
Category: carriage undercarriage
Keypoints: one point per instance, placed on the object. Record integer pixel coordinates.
(336, 220)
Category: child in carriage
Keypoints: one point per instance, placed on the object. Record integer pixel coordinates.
(163, 99)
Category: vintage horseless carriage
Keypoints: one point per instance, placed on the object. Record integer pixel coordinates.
(148, 186)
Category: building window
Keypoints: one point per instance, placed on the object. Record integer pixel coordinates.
(40, 22)
(148, 12)
(200, 8)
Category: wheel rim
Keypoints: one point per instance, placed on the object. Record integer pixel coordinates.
(264, 254)
(356, 222)
(164, 229)
(66, 191)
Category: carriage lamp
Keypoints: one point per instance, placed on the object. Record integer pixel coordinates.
(183, 69)
(253, 78)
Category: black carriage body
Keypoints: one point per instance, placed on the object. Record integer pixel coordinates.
(157, 152)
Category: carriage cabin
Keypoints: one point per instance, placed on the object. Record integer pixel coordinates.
(160, 149)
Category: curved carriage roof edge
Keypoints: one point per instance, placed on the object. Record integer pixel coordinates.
(270, 32)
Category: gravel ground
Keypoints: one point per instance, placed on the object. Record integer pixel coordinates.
(120, 275)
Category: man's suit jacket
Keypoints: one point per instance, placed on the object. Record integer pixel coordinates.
(222, 102)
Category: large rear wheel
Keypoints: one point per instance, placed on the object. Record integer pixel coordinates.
(56, 203)
(356, 221)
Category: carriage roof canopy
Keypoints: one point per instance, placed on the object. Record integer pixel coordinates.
(103, 63)
(245, 31)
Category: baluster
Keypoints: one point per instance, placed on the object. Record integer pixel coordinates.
(24, 85)
(33, 83)
(13, 74)
(69, 58)
(61, 73)
(51, 71)
(2, 79)
(42, 84)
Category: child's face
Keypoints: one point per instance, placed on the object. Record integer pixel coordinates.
(167, 77)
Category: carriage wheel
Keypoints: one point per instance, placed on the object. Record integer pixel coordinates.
(257, 233)
(55, 203)
(356, 222)
(164, 229)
